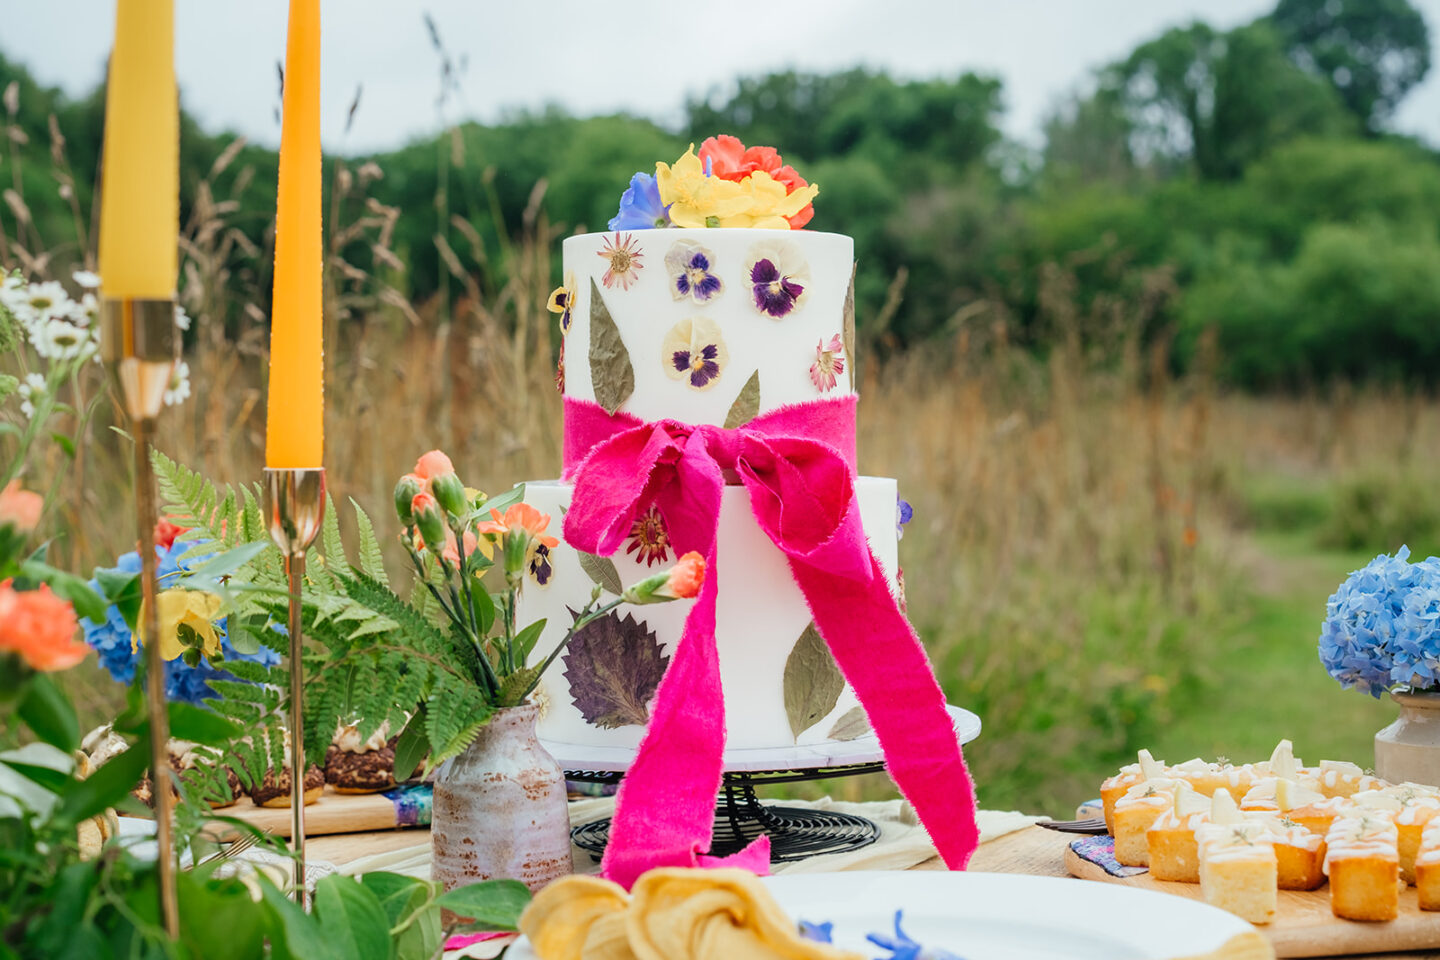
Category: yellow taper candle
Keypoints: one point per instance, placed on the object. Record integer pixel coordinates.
(294, 435)
(140, 186)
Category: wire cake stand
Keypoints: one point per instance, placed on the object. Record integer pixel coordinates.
(795, 832)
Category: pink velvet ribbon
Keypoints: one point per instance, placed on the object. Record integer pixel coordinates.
(798, 465)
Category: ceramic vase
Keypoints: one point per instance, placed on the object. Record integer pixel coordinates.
(1409, 749)
(499, 808)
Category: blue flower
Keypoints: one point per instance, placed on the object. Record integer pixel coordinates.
(640, 206)
(904, 513)
(819, 932)
(1382, 626)
(111, 639)
(901, 947)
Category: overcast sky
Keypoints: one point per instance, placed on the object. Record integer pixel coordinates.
(641, 56)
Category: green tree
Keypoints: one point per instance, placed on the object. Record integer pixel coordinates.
(1372, 51)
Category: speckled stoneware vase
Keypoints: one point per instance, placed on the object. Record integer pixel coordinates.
(1409, 749)
(499, 808)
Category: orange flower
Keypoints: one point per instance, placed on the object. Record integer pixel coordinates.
(686, 576)
(452, 547)
(40, 627)
(433, 464)
(521, 517)
(20, 508)
(167, 532)
(729, 159)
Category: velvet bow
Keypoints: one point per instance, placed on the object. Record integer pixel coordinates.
(798, 465)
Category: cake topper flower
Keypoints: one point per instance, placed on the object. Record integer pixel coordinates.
(829, 364)
(640, 206)
(689, 266)
(726, 157)
(694, 351)
(625, 260)
(778, 276)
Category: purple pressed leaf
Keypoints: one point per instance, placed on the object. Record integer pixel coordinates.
(614, 667)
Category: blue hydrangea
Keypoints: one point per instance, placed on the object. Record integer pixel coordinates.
(640, 206)
(1382, 626)
(111, 639)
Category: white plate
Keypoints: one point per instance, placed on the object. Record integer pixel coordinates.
(1001, 916)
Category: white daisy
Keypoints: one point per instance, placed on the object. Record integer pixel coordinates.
(86, 279)
(182, 319)
(31, 392)
(43, 301)
(179, 387)
(86, 310)
(59, 339)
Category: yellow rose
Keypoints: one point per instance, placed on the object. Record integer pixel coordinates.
(191, 608)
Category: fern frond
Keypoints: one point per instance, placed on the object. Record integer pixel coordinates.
(372, 558)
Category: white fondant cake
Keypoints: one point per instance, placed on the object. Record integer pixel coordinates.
(703, 326)
(759, 616)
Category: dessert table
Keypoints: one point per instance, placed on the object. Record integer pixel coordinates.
(1024, 850)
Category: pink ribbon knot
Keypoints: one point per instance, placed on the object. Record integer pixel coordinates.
(798, 465)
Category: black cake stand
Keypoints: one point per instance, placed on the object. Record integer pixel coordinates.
(795, 832)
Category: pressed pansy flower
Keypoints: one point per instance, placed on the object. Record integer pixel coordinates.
(691, 267)
(540, 567)
(625, 258)
(562, 301)
(649, 540)
(694, 351)
(829, 364)
(779, 277)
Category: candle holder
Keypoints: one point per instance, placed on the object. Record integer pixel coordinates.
(295, 506)
(140, 347)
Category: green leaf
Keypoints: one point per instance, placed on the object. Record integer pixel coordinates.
(123, 591)
(812, 682)
(205, 727)
(372, 559)
(853, 723)
(421, 940)
(294, 935)
(330, 536)
(611, 374)
(411, 746)
(525, 639)
(49, 714)
(495, 903)
(602, 571)
(747, 405)
(504, 500)
(222, 565)
(48, 777)
(484, 608)
(396, 892)
(218, 920)
(106, 786)
(848, 329)
(352, 918)
(64, 443)
(87, 602)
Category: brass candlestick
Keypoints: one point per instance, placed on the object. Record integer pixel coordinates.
(141, 348)
(295, 505)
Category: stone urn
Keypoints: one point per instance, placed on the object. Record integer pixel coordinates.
(1409, 749)
(499, 808)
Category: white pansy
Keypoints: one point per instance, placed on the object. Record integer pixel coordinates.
(179, 387)
(31, 392)
(86, 279)
(60, 339)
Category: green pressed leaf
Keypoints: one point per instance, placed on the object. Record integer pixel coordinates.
(848, 330)
(49, 714)
(411, 746)
(602, 571)
(853, 723)
(495, 903)
(746, 406)
(205, 727)
(812, 682)
(611, 374)
(352, 918)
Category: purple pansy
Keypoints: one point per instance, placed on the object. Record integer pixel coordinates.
(640, 206)
(694, 351)
(691, 270)
(778, 276)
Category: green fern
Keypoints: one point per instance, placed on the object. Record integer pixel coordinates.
(372, 560)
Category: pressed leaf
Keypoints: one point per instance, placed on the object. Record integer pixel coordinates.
(602, 571)
(852, 725)
(849, 327)
(746, 406)
(610, 371)
(614, 667)
(812, 682)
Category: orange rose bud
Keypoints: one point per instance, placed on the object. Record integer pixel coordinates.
(680, 582)
(40, 627)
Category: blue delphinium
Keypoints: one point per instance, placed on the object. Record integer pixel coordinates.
(640, 206)
(1382, 626)
(111, 639)
(901, 947)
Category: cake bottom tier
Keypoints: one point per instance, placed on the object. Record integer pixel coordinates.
(599, 691)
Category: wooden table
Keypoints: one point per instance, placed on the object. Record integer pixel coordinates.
(1033, 851)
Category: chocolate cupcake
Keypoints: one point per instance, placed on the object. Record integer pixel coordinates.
(353, 765)
(274, 790)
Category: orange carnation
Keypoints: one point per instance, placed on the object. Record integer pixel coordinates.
(686, 576)
(40, 627)
(20, 508)
(433, 464)
(520, 517)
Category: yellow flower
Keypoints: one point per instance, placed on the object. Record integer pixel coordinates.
(694, 198)
(770, 206)
(191, 608)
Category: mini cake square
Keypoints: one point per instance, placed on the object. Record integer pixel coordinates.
(1135, 814)
(1364, 869)
(1114, 787)
(1170, 841)
(1238, 869)
(1427, 867)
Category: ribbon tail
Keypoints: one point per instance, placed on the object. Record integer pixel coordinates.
(881, 656)
(665, 810)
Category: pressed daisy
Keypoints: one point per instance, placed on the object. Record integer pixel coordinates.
(779, 276)
(829, 363)
(562, 301)
(649, 540)
(689, 266)
(695, 352)
(625, 258)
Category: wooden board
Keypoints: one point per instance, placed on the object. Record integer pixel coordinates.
(333, 813)
(1303, 924)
